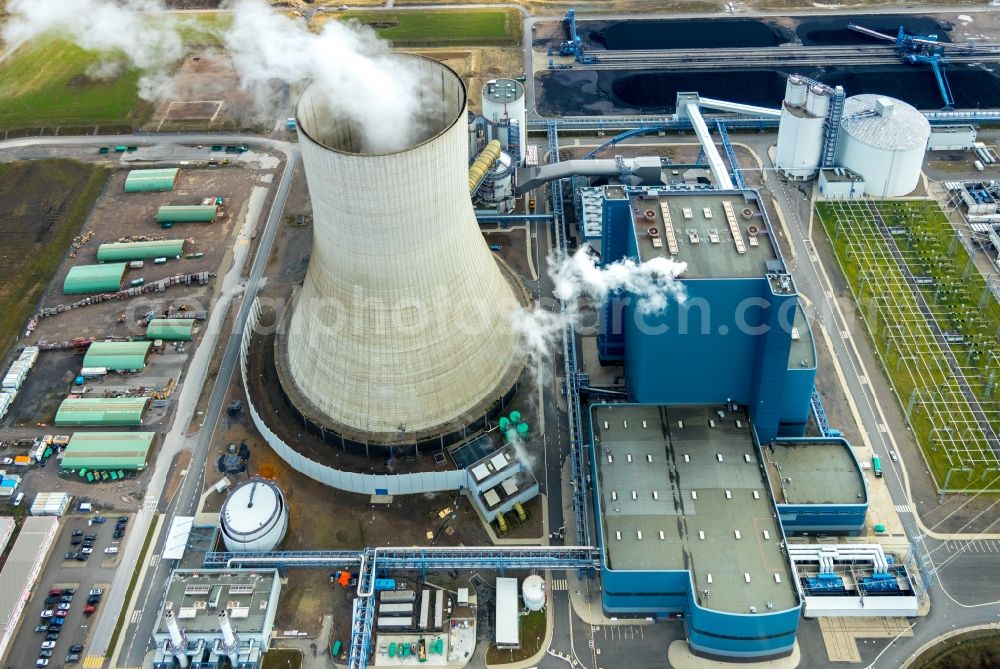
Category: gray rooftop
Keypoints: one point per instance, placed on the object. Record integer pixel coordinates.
(841, 175)
(802, 354)
(198, 596)
(705, 243)
(814, 473)
(503, 90)
(676, 485)
(884, 122)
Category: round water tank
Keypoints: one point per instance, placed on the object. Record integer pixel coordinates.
(533, 592)
(504, 102)
(254, 517)
(883, 140)
(795, 91)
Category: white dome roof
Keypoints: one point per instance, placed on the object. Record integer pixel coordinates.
(252, 510)
(884, 123)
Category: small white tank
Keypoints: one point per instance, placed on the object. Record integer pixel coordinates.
(533, 593)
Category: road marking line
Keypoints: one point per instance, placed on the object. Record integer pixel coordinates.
(903, 508)
(136, 616)
(882, 428)
(153, 560)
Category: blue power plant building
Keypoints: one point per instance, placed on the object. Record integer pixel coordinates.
(701, 473)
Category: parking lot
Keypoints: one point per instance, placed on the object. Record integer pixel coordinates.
(59, 573)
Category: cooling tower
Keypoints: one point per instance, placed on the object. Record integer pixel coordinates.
(401, 332)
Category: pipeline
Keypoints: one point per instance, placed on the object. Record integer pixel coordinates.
(482, 164)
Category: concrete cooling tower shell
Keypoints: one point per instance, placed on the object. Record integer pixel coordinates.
(254, 517)
(401, 332)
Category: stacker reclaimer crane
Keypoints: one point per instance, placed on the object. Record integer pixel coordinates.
(920, 49)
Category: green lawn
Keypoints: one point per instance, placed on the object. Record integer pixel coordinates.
(46, 84)
(532, 634)
(912, 357)
(433, 28)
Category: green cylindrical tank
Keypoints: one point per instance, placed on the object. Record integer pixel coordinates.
(504, 423)
(519, 510)
(522, 430)
(515, 416)
(879, 528)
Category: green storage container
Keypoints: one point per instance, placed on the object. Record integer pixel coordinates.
(515, 416)
(504, 423)
(522, 430)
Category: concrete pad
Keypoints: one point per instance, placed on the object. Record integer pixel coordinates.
(840, 635)
(679, 656)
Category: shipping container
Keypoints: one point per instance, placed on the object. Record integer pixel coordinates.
(397, 596)
(136, 264)
(93, 372)
(396, 608)
(394, 623)
(425, 609)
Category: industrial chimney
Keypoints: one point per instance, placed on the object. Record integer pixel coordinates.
(178, 644)
(401, 332)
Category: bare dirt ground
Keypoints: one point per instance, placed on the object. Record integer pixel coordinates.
(207, 95)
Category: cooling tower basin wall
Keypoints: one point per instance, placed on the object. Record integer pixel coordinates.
(402, 329)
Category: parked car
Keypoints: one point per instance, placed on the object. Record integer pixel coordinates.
(77, 533)
(88, 609)
(49, 601)
(66, 598)
(69, 591)
(48, 644)
(93, 599)
(55, 593)
(62, 614)
(58, 622)
(45, 653)
(75, 542)
(111, 550)
(41, 662)
(72, 658)
(47, 613)
(118, 534)
(76, 648)
(54, 635)
(87, 550)
(96, 591)
(122, 519)
(41, 628)
(892, 454)
(71, 555)
(64, 606)
(100, 519)
(90, 537)
(82, 557)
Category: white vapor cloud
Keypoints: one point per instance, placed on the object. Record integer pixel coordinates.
(345, 60)
(578, 277)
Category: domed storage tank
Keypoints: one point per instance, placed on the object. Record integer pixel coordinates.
(883, 140)
(533, 592)
(254, 517)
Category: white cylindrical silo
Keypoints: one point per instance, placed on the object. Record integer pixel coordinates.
(503, 102)
(254, 517)
(883, 140)
(818, 101)
(533, 592)
(795, 91)
(228, 635)
(800, 145)
(401, 332)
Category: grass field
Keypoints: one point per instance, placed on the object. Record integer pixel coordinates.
(931, 385)
(44, 204)
(532, 633)
(975, 650)
(433, 28)
(45, 84)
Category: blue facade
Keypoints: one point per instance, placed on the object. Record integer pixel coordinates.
(725, 635)
(841, 519)
(799, 383)
(729, 340)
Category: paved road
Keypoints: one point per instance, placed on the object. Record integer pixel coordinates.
(175, 440)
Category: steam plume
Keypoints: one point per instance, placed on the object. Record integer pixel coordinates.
(345, 60)
(578, 277)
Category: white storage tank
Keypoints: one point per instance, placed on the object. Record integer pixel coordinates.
(503, 102)
(254, 517)
(533, 592)
(801, 129)
(883, 140)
